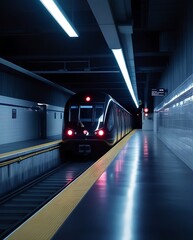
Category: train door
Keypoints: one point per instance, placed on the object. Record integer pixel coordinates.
(111, 123)
(118, 115)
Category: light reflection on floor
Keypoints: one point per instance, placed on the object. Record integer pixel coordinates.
(128, 216)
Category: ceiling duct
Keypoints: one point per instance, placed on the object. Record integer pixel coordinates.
(103, 14)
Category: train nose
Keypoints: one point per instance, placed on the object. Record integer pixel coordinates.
(84, 149)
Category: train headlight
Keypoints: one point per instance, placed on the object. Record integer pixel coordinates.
(70, 132)
(100, 132)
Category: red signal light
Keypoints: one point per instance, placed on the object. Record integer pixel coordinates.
(87, 99)
(146, 110)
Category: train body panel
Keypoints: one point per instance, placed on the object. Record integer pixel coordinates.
(93, 121)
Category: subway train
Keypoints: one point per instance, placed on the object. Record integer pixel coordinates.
(93, 123)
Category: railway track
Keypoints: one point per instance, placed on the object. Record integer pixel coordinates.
(18, 206)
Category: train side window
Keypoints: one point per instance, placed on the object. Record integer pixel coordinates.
(110, 120)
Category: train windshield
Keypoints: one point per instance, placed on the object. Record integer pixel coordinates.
(86, 113)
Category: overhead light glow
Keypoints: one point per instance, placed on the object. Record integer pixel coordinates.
(118, 53)
(54, 10)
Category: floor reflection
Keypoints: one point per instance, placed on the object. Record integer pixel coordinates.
(128, 223)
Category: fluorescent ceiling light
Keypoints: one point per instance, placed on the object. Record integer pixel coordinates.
(118, 53)
(54, 10)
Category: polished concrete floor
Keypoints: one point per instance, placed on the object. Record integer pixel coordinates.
(145, 194)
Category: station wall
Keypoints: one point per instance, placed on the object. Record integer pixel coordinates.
(29, 108)
(173, 115)
(23, 120)
(19, 85)
(174, 121)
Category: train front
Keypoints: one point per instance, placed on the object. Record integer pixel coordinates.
(84, 131)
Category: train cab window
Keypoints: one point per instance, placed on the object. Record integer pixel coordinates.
(98, 113)
(73, 114)
(86, 113)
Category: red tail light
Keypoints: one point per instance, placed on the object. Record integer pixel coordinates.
(100, 132)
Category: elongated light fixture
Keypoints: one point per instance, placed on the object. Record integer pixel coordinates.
(62, 20)
(118, 53)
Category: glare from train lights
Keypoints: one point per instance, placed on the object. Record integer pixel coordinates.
(60, 17)
(70, 132)
(118, 53)
(87, 99)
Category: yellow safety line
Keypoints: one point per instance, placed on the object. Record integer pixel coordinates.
(44, 224)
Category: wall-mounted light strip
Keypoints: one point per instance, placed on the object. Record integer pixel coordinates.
(54, 10)
(118, 53)
(179, 96)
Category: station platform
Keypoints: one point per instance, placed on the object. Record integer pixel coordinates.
(16, 149)
(139, 190)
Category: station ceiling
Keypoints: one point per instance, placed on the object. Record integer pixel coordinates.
(146, 30)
